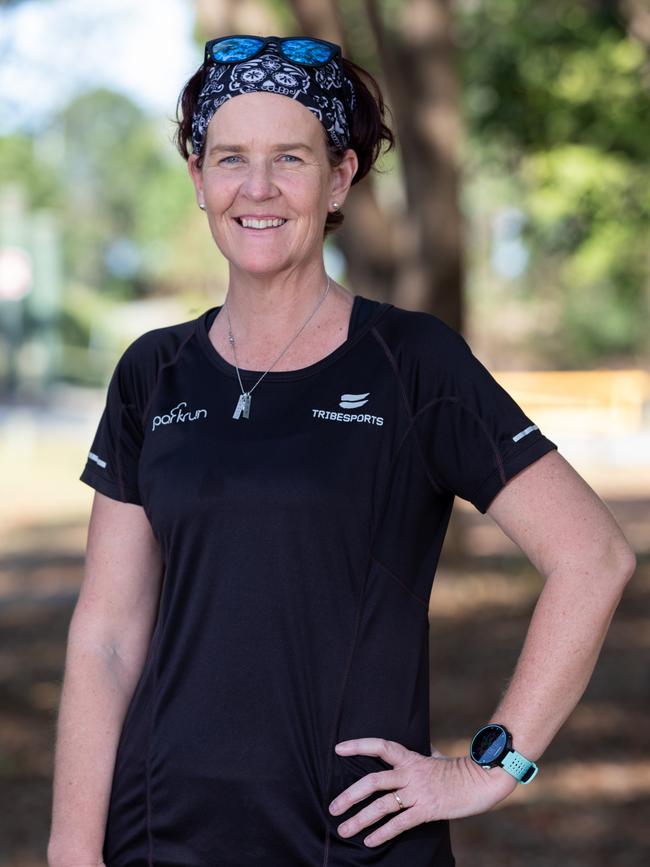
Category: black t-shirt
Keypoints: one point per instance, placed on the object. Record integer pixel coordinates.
(299, 550)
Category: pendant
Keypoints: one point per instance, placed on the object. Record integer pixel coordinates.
(243, 406)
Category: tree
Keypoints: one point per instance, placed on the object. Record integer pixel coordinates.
(556, 101)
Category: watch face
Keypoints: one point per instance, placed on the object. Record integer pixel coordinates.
(488, 744)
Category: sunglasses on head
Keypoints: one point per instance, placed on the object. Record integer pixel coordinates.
(296, 49)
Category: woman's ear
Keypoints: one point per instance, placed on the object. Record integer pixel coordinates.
(343, 175)
(197, 178)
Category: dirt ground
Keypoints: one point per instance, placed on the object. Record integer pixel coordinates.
(589, 806)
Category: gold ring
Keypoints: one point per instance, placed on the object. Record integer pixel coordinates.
(399, 800)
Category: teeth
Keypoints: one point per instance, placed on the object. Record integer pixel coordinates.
(260, 224)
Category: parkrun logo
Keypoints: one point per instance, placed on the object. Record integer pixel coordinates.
(177, 415)
(350, 401)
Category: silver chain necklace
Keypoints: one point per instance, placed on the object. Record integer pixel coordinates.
(243, 407)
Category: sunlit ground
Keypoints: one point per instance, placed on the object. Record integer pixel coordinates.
(590, 803)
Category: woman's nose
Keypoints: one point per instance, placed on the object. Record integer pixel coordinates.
(258, 182)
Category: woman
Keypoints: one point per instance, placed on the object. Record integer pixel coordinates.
(287, 463)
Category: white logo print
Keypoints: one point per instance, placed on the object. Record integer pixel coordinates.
(350, 401)
(524, 433)
(353, 401)
(176, 415)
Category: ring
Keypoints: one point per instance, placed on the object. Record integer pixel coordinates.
(399, 800)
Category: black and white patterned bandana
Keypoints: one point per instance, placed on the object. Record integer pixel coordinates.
(325, 90)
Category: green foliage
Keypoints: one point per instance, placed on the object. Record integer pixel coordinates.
(556, 95)
(113, 156)
(128, 199)
(124, 206)
(20, 163)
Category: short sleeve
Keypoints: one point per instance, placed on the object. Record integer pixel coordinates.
(475, 436)
(112, 463)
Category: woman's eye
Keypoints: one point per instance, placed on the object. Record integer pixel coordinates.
(235, 157)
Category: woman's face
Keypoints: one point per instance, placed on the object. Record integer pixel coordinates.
(265, 157)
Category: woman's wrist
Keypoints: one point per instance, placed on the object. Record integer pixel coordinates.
(496, 780)
(67, 856)
(75, 863)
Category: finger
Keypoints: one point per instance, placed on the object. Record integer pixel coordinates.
(360, 789)
(391, 751)
(369, 815)
(404, 820)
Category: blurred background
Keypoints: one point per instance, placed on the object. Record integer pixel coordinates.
(516, 207)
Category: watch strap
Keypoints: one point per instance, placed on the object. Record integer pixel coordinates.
(521, 768)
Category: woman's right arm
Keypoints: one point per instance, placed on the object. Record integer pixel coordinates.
(107, 645)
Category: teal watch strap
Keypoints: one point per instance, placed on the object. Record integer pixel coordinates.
(521, 768)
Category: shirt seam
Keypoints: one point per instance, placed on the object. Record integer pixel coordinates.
(141, 416)
(91, 475)
(118, 454)
(172, 361)
(495, 448)
(376, 518)
(409, 411)
(511, 453)
(399, 581)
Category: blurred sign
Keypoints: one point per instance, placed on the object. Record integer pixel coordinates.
(589, 402)
(16, 273)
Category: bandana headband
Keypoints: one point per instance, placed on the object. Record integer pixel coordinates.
(325, 90)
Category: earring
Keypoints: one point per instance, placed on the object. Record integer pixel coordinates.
(335, 206)
(202, 206)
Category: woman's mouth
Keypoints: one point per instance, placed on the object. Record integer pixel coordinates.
(260, 224)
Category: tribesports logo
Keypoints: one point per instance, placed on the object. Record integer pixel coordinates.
(177, 415)
(353, 401)
(350, 401)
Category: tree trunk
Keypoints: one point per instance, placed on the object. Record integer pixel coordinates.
(366, 238)
(222, 17)
(419, 60)
(637, 14)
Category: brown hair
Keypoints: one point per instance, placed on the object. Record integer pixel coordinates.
(368, 129)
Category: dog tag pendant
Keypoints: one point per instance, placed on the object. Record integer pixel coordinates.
(243, 406)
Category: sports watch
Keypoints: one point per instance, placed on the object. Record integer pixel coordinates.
(491, 747)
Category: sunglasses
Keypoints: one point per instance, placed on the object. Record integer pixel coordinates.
(302, 50)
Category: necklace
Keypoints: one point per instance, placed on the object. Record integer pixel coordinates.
(243, 407)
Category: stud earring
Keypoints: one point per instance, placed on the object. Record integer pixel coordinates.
(335, 206)
(202, 206)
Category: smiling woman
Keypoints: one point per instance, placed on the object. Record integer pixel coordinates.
(248, 676)
(266, 207)
(367, 129)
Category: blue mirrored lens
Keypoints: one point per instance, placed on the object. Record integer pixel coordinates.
(307, 51)
(235, 49)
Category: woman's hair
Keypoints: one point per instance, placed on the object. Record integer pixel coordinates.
(368, 129)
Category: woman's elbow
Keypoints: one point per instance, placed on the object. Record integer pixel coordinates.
(619, 564)
(627, 563)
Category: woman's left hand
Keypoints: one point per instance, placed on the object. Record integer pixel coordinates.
(430, 787)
